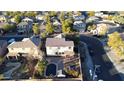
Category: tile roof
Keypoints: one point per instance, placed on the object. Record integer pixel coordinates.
(58, 42)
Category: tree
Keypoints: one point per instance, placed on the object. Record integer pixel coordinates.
(91, 27)
(13, 27)
(1, 77)
(47, 17)
(40, 67)
(43, 35)
(68, 30)
(118, 19)
(17, 19)
(49, 26)
(91, 13)
(9, 27)
(116, 43)
(110, 17)
(79, 13)
(74, 73)
(62, 17)
(103, 28)
(30, 14)
(69, 14)
(36, 29)
(67, 26)
(52, 13)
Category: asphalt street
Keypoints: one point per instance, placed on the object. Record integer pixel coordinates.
(99, 57)
(16, 37)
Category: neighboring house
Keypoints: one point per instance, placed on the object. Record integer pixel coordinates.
(24, 27)
(12, 20)
(3, 47)
(26, 19)
(98, 14)
(59, 36)
(105, 16)
(121, 13)
(101, 14)
(93, 19)
(99, 28)
(78, 18)
(95, 32)
(3, 18)
(40, 17)
(57, 26)
(57, 23)
(79, 26)
(26, 47)
(59, 47)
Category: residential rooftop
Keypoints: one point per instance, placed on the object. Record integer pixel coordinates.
(58, 42)
(26, 43)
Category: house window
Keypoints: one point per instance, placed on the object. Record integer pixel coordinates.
(62, 52)
(56, 53)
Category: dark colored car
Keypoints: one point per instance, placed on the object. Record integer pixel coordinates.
(98, 70)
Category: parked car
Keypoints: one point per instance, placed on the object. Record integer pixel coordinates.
(98, 70)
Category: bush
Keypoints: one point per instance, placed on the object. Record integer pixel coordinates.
(1, 76)
(73, 73)
(40, 67)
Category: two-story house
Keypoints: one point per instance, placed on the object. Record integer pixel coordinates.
(26, 19)
(57, 26)
(79, 26)
(24, 27)
(40, 17)
(59, 47)
(26, 47)
(3, 47)
(3, 18)
(78, 17)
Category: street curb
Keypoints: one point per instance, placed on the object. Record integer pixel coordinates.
(88, 61)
